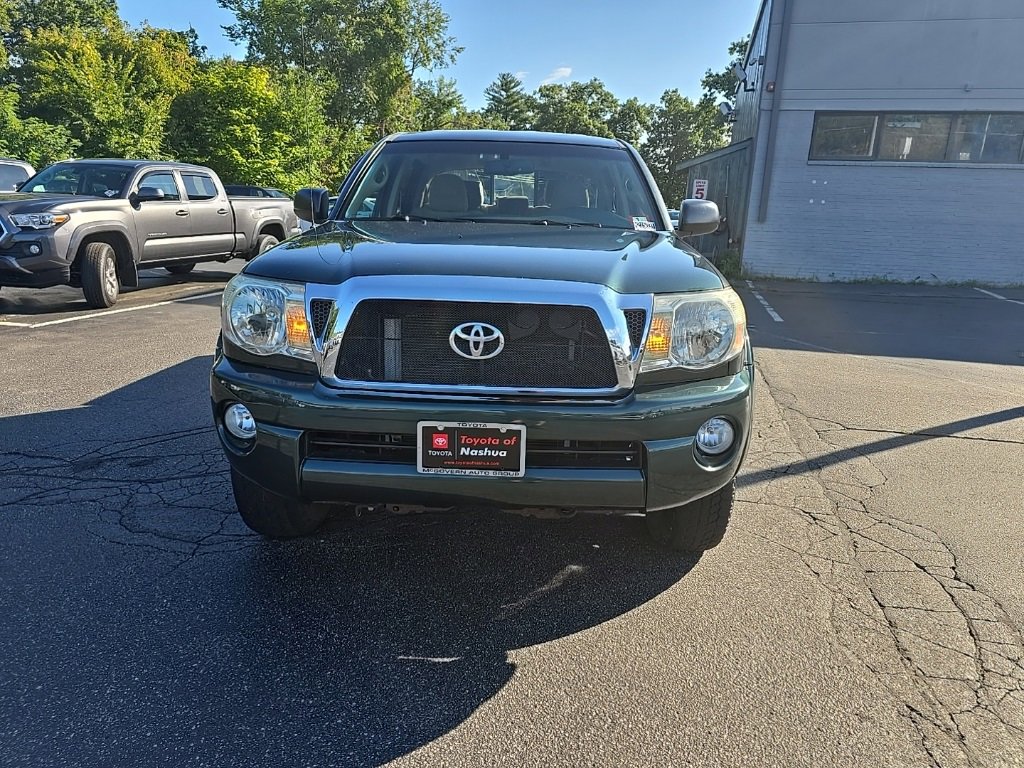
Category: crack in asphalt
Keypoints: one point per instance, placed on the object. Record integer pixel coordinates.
(900, 605)
(165, 492)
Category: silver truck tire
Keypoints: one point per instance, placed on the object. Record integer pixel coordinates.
(98, 270)
(180, 269)
(274, 516)
(694, 527)
(264, 243)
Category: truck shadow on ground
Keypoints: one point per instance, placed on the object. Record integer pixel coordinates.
(145, 625)
(32, 302)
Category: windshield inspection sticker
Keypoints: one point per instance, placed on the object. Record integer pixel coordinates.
(641, 223)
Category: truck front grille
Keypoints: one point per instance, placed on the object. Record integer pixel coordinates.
(545, 347)
(385, 448)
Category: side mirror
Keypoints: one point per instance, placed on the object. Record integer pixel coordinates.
(148, 194)
(312, 204)
(698, 217)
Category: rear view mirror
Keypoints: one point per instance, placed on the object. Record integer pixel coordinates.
(313, 204)
(698, 217)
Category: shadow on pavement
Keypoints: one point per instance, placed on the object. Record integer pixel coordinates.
(15, 302)
(897, 440)
(144, 625)
(953, 323)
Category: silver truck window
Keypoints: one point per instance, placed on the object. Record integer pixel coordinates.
(199, 186)
(162, 180)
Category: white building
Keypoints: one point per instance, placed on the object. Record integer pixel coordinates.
(877, 139)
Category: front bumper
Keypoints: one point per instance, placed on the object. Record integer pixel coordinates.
(22, 269)
(287, 407)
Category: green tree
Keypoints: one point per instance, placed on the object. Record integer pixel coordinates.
(509, 103)
(366, 52)
(575, 107)
(438, 104)
(680, 130)
(31, 139)
(253, 127)
(29, 16)
(631, 121)
(112, 88)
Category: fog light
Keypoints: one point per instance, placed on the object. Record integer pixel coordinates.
(239, 422)
(34, 249)
(715, 436)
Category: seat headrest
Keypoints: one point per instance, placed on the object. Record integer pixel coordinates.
(447, 192)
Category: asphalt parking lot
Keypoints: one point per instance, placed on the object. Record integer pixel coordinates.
(865, 607)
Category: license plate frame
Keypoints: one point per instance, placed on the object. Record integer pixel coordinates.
(437, 458)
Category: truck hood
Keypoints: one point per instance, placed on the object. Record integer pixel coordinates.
(624, 260)
(16, 202)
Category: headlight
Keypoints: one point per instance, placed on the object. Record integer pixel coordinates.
(39, 220)
(695, 330)
(266, 317)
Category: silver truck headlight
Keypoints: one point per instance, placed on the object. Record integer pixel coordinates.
(39, 220)
(266, 317)
(695, 330)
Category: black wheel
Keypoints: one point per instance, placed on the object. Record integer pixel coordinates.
(180, 269)
(694, 527)
(264, 243)
(272, 515)
(99, 275)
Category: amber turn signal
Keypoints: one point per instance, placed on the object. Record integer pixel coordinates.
(659, 340)
(298, 327)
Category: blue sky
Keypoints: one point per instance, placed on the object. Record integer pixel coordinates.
(637, 50)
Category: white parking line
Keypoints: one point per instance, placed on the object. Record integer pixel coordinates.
(107, 312)
(767, 307)
(997, 296)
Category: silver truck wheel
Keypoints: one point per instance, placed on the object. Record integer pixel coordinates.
(180, 269)
(264, 243)
(98, 269)
(695, 527)
(272, 515)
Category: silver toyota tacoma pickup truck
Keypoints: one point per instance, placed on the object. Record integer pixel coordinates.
(94, 223)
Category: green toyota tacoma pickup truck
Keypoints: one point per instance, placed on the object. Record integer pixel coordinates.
(493, 319)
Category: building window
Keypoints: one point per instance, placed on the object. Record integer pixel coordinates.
(987, 139)
(914, 138)
(940, 137)
(844, 137)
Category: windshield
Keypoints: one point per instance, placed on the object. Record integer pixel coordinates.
(11, 176)
(90, 180)
(504, 182)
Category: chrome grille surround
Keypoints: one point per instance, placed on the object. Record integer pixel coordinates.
(609, 306)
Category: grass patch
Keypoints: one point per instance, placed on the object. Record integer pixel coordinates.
(730, 264)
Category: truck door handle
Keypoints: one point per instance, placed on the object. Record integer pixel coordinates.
(223, 211)
(181, 213)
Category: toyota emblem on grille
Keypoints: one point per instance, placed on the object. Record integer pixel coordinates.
(476, 341)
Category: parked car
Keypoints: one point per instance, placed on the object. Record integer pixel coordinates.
(94, 223)
(561, 350)
(13, 173)
(243, 190)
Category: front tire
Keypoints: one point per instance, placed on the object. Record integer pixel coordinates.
(100, 284)
(272, 515)
(694, 527)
